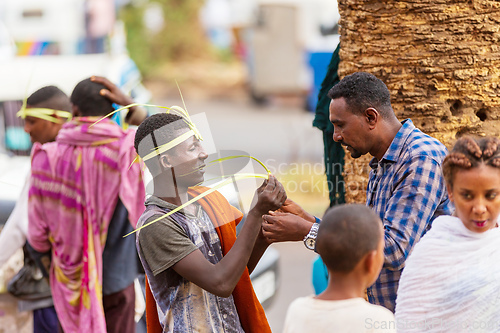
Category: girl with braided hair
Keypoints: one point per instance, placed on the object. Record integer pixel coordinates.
(451, 282)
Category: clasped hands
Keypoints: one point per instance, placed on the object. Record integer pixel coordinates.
(289, 223)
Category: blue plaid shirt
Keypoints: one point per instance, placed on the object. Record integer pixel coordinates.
(407, 190)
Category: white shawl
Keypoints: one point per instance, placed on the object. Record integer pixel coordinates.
(451, 282)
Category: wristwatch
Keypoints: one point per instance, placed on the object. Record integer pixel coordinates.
(310, 239)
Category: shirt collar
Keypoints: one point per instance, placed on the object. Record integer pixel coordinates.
(392, 154)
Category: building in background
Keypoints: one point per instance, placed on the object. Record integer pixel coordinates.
(286, 44)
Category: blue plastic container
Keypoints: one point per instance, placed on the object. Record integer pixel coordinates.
(318, 61)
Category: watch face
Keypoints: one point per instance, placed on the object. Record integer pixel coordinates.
(310, 242)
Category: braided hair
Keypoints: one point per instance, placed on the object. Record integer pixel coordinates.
(468, 153)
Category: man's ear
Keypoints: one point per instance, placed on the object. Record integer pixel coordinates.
(165, 161)
(56, 125)
(369, 261)
(372, 117)
(59, 119)
(372, 266)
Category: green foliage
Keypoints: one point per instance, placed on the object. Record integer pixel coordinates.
(137, 42)
(181, 37)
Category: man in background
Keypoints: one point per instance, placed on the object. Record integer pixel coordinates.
(45, 112)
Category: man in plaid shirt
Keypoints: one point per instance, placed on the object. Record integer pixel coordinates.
(406, 187)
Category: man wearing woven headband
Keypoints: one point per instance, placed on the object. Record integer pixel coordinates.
(47, 98)
(14, 233)
(45, 112)
(47, 109)
(197, 269)
(84, 196)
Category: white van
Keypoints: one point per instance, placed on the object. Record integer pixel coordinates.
(58, 42)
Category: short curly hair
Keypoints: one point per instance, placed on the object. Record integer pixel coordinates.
(86, 96)
(155, 131)
(361, 91)
(469, 152)
(49, 97)
(346, 234)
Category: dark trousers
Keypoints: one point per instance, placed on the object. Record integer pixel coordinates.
(119, 309)
(45, 320)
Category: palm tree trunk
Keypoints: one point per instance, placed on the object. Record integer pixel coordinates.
(440, 60)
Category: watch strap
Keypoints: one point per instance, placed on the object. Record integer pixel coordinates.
(313, 233)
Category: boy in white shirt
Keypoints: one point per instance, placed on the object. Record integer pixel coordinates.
(350, 241)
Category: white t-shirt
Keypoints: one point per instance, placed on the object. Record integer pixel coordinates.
(355, 315)
(14, 233)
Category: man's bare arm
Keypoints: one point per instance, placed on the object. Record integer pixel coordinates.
(261, 245)
(221, 278)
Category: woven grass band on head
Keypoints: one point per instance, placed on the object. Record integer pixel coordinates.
(193, 131)
(44, 113)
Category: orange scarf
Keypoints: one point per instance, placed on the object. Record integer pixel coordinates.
(225, 218)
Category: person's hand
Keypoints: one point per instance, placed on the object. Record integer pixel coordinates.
(270, 196)
(135, 115)
(113, 93)
(293, 208)
(284, 227)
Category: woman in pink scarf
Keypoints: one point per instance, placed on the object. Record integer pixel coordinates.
(75, 185)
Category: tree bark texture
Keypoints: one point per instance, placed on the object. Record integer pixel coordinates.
(440, 60)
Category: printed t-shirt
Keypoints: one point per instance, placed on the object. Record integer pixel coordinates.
(182, 305)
